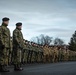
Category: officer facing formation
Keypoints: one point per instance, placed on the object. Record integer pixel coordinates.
(4, 44)
(18, 45)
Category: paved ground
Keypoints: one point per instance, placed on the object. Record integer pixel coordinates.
(66, 68)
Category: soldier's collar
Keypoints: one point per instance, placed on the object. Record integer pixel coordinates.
(18, 28)
(3, 24)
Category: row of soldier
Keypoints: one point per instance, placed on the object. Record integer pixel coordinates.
(35, 53)
(18, 51)
(58, 54)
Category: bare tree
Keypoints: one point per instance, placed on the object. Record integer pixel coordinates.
(58, 41)
(48, 40)
(43, 40)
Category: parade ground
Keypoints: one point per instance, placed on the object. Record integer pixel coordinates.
(62, 68)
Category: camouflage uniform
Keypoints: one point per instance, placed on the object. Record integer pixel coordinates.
(25, 58)
(45, 53)
(40, 54)
(60, 54)
(66, 53)
(29, 57)
(36, 53)
(33, 54)
(10, 54)
(18, 45)
(4, 44)
(50, 54)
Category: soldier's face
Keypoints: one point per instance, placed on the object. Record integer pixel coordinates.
(20, 27)
(6, 22)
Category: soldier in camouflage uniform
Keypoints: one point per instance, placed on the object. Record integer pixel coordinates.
(4, 45)
(29, 46)
(50, 54)
(55, 59)
(40, 54)
(18, 46)
(25, 55)
(33, 53)
(36, 52)
(59, 54)
(45, 53)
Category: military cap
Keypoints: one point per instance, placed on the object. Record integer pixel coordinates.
(19, 24)
(5, 19)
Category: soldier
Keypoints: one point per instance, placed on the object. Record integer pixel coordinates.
(33, 53)
(39, 53)
(29, 52)
(18, 45)
(4, 45)
(25, 52)
(50, 54)
(55, 54)
(36, 52)
(59, 54)
(45, 53)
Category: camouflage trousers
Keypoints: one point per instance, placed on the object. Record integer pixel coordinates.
(33, 57)
(55, 58)
(4, 56)
(24, 56)
(17, 56)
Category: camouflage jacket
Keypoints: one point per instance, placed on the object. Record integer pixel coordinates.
(18, 38)
(4, 36)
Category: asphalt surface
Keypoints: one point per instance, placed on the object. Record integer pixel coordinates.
(64, 68)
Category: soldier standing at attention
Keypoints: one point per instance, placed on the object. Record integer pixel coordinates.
(4, 45)
(18, 45)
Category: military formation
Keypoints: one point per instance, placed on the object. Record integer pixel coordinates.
(17, 51)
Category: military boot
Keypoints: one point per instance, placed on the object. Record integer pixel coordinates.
(18, 68)
(6, 69)
(3, 69)
(15, 67)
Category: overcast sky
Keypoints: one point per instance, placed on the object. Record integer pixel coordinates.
(56, 18)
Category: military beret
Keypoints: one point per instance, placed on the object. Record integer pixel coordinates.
(5, 19)
(19, 24)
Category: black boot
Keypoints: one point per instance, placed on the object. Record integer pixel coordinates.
(18, 68)
(15, 67)
(6, 69)
(3, 69)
